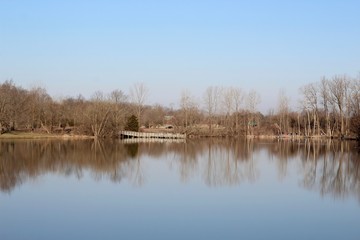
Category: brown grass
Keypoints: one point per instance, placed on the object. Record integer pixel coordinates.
(31, 135)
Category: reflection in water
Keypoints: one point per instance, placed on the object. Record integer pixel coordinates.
(132, 149)
(329, 167)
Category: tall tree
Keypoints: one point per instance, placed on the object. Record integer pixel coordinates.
(186, 105)
(253, 100)
(139, 93)
(211, 99)
(228, 106)
(97, 114)
(118, 101)
(310, 104)
(338, 87)
(238, 96)
(40, 108)
(13, 105)
(283, 111)
(326, 102)
(355, 97)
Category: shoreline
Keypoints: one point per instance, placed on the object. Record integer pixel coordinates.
(30, 135)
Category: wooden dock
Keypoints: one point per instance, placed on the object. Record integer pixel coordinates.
(152, 140)
(131, 134)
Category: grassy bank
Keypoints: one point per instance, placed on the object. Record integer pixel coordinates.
(32, 135)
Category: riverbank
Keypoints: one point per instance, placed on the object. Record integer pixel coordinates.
(43, 135)
(32, 135)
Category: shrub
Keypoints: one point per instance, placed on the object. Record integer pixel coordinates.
(132, 124)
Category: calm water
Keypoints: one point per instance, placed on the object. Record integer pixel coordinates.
(203, 189)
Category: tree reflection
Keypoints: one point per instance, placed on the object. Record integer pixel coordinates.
(329, 167)
(229, 162)
(332, 169)
(132, 149)
(21, 160)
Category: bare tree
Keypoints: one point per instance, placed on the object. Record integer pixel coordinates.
(326, 102)
(253, 99)
(231, 100)
(97, 114)
(211, 99)
(139, 93)
(238, 101)
(118, 102)
(310, 93)
(228, 106)
(186, 103)
(155, 115)
(40, 112)
(73, 111)
(13, 106)
(283, 111)
(338, 87)
(355, 97)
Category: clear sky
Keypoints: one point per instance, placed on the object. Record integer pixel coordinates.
(73, 47)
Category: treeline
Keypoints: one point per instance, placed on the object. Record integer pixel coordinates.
(330, 107)
(36, 110)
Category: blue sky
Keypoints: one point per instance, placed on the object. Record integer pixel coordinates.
(73, 47)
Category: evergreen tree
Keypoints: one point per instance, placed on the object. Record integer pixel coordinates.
(132, 124)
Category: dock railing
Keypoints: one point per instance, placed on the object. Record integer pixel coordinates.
(131, 134)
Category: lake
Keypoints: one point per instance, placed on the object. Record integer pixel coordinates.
(193, 189)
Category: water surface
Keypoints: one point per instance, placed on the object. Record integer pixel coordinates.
(203, 189)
